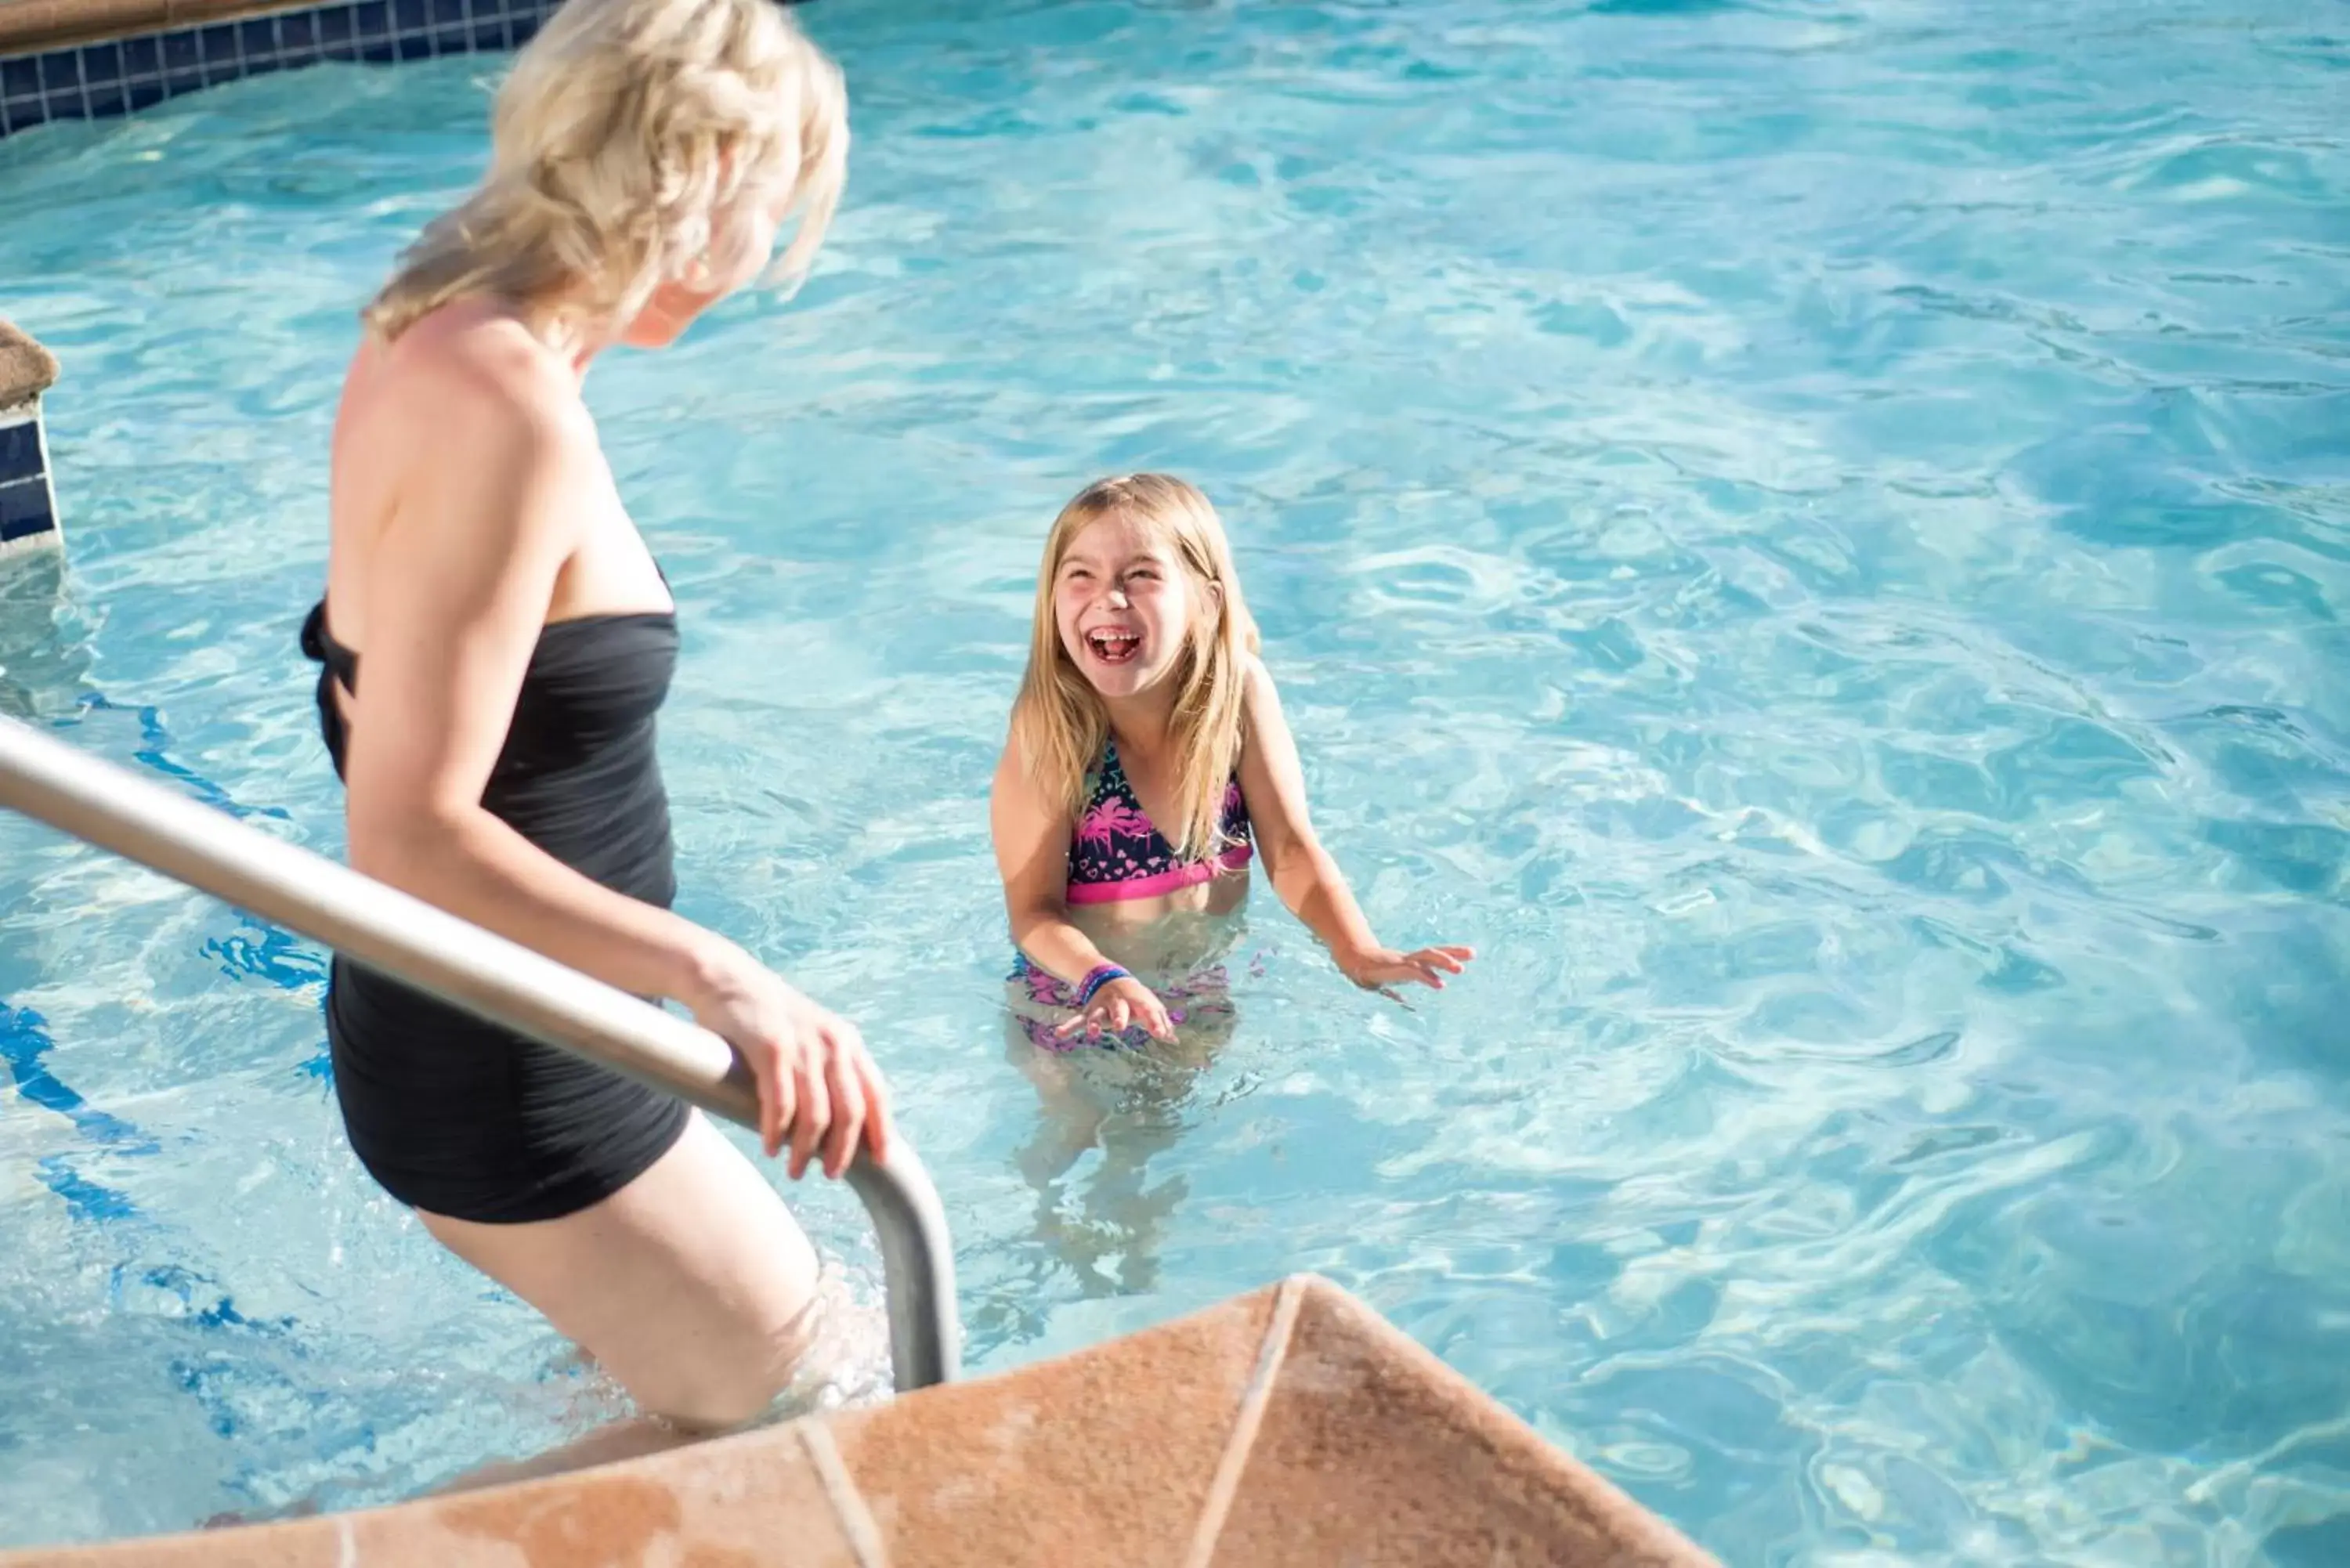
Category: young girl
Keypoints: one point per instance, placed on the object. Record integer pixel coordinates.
(1147, 764)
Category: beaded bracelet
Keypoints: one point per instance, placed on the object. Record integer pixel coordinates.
(1099, 977)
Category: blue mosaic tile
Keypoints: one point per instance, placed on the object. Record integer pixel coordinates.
(146, 93)
(374, 19)
(219, 45)
(258, 41)
(338, 33)
(20, 77)
(106, 99)
(409, 17)
(20, 451)
(142, 57)
(24, 510)
(180, 55)
(61, 72)
(297, 35)
(451, 13)
(102, 63)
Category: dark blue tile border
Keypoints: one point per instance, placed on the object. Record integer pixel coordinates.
(24, 510)
(94, 81)
(27, 502)
(20, 451)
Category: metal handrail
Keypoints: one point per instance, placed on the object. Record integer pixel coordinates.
(486, 974)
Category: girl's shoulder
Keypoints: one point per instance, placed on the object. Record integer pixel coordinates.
(1260, 699)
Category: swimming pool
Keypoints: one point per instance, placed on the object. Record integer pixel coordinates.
(1814, 534)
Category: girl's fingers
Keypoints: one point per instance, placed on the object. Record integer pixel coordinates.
(1120, 1015)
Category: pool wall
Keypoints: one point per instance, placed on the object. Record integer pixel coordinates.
(28, 502)
(92, 59)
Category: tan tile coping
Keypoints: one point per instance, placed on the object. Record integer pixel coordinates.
(1286, 1428)
(27, 25)
(26, 369)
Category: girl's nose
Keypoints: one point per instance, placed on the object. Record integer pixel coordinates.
(1116, 598)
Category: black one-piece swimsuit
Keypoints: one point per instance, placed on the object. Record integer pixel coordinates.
(458, 1117)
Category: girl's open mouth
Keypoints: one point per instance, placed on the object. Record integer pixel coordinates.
(1114, 646)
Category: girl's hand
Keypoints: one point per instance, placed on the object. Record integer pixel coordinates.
(817, 1087)
(1382, 967)
(1117, 1006)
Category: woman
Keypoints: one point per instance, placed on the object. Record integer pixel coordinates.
(496, 638)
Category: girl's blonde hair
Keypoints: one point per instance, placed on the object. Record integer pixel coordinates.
(630, 145)
(1058, 721)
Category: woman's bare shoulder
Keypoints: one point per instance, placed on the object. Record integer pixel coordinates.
(467, 383)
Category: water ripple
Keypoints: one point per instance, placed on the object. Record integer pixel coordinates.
(1815, 533)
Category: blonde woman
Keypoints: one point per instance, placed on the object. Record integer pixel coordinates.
(497, 640)
(1148, 765)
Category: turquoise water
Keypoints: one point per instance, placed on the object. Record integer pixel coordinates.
(1814, 535)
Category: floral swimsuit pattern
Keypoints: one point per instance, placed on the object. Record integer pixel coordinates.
(1116, 854)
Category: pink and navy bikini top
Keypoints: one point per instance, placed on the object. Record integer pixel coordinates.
(1118, 854)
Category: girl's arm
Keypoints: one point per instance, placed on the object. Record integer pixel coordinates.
(1032, 852)
(1308, 880)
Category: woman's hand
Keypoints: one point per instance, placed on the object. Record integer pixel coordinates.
(1379, 966)
(1123, 1003)
(817, 1087)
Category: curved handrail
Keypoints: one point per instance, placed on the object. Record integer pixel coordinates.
(486, 974)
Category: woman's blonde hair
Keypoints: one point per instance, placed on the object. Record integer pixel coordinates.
(630, 145)
(1058, 721)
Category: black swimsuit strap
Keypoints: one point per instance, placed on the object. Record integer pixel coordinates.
(320, 644)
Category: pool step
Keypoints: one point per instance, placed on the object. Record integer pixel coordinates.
(28, 502)
(1287, 1427)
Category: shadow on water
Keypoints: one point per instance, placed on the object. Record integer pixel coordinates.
(1125, 1105)
(44, 648)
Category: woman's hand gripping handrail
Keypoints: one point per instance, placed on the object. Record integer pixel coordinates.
(401, 936)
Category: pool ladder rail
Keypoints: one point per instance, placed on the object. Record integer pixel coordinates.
(102, 803)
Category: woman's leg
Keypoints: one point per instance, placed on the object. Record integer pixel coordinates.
(692, 1286)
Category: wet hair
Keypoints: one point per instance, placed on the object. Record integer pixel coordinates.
(632, 145)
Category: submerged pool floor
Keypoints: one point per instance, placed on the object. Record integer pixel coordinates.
(1812, 534)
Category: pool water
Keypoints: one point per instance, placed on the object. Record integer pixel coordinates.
(1815, 534)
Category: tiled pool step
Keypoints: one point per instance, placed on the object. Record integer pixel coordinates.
(28, 502)
(1286, 1428)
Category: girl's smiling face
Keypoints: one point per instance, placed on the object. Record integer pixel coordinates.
(1124, 605)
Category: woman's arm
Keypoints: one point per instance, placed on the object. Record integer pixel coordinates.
(1308, 881)
(1032, 853)
(457, 590)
